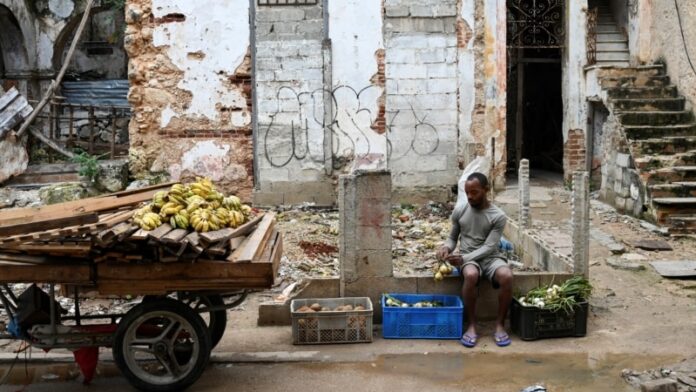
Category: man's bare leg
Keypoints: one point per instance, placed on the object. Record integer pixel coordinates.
(503, 276)
(471, 277)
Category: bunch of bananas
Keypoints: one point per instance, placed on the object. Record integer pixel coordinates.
(196, 205)
(236, 218)
(171, 208)
(150, 221)
(232, 203)
(443, 268)
(203, 220)
(180, 220)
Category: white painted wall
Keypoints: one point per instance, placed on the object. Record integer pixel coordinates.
(355, 30)
(574, 59)
(220, 30)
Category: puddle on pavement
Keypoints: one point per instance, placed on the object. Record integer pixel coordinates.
(443, 372)
(513, 372)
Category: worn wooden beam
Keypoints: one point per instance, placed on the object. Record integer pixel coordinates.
(22, 228)
(257, 240)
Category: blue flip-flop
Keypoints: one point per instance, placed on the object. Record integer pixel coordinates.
(469, 340)
(502, 339)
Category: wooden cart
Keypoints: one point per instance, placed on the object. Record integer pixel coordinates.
(163, 343)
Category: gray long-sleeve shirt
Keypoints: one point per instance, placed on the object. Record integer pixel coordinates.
(478, 231)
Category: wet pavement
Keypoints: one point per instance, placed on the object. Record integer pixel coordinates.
(412, 372)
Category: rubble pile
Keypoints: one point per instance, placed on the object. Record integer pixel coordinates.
(680, 377)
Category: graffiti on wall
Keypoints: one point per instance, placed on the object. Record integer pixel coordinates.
(297, 122)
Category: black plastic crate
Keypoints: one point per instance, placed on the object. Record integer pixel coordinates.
(531, 323)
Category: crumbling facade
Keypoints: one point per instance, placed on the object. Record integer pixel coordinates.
(274, 99)
(291, 96)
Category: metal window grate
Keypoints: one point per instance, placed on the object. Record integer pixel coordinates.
(287, 2)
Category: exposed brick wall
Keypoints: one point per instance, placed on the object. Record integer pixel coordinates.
(574, 152)
(191, 115)
(379, 80)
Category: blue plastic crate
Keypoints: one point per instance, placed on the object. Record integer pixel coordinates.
(423, 323)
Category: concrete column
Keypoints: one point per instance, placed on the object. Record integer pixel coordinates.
(365, 243)
(580, 220)
(525, 218)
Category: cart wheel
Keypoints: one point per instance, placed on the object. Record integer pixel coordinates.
(215, 320)
(161, 345)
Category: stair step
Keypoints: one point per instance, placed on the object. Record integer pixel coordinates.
(634, 132)
(670, 175)
(685, 224)
(612, 46)
(672, 201)
(653, 162)
(605, 37)
(663, 104)
(643, 92)
(612, 63)
(678, 189)
(665, 145)
(608, 28)
(634, 81)
(655, 118)
(615, 55)
(642, 71)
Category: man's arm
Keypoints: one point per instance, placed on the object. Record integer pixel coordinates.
(491, 244)
(451, 242)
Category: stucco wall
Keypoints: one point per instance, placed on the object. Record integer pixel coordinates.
(667, 43)
(417, 88)
(190, 90)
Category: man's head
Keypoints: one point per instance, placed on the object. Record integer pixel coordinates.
(476, 188)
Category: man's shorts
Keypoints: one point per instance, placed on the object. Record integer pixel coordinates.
(487, 268)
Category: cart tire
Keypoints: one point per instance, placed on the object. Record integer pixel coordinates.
(217, 320)
(161, 345)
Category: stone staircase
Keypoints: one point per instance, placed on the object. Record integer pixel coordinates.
(661, 137)
(612, 44)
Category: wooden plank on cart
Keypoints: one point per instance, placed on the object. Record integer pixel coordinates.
(213, 237)
(71, 208)
(28, 227)
(234, 256)
(174, 237)
(154, 278)
(193, 242)
(68, 273)
(160, 232)
(52, 248)
(140, 235)
(257, 240)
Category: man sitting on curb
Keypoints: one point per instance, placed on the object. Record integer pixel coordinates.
(478, 226)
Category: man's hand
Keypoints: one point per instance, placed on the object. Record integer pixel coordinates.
(443, 252)
(455, 260)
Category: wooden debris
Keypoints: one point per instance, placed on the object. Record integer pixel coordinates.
(257, 240)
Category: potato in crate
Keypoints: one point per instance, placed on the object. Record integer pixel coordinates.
(331, 320)
(421, 316)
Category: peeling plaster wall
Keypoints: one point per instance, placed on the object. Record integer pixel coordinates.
(466, 20)
(667, 44)
(489, 119)
(574, 99)
(191, 99)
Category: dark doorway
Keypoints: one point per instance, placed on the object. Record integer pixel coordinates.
(536, 37)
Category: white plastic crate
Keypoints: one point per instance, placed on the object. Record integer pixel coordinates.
(328, 327)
